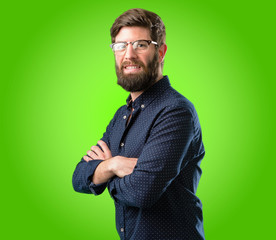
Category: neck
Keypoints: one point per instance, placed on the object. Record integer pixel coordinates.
(135, 95)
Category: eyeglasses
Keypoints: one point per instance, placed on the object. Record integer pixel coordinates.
(139, 46)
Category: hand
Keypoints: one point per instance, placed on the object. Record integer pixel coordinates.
(122, 166)
(98, 153)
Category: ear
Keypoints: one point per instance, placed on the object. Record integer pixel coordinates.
(162, 51)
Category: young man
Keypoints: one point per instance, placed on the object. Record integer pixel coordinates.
(149, 157)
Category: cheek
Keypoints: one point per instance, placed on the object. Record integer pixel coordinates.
(145, 59)
(148, 60)
(118, 61)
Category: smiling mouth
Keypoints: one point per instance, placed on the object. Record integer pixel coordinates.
(132, 67)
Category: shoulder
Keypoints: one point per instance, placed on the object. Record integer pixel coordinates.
(177, 112)
(172, 99)
(120, 111)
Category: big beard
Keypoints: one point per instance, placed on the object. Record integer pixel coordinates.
(139, 81)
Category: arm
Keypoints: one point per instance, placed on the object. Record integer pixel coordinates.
(82, 177)
(93, 172)
(167, 151)
(110, 166)
(99, 160)
(85, 169)
(103, 171)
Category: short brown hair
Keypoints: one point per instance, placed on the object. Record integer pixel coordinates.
(138, 17)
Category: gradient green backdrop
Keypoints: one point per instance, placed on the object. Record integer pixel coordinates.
(58, 93)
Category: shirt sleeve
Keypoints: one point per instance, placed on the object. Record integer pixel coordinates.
(168, 149)
(82, 177)
(84, 170)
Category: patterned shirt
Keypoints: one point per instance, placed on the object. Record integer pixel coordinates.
(156, 201)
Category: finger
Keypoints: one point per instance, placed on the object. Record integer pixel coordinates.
(98, 151)
(87, 159)
(89, 153)
(92, 155)
(105, 148)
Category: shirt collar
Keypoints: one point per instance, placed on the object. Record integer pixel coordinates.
(149, 95)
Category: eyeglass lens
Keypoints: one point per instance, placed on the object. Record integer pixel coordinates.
(139, 45)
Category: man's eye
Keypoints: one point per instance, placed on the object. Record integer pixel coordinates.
(119, 47)
(142, 45)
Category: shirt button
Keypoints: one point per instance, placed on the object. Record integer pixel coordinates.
(122, 229)
(124, 117)
(142, 106)
(122, 144)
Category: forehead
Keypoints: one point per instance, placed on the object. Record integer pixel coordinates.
(129, 34)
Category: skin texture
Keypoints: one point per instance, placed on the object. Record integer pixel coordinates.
(130, 34)
(119, 165)
(111, 166)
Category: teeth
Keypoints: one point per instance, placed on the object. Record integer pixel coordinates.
(132, 67)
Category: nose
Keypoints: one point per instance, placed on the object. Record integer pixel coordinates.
(130, 52)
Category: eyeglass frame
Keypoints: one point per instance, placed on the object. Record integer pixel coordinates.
(127, 43)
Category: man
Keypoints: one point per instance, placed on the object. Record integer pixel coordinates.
(150, 154)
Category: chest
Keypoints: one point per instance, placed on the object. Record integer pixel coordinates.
(130, 133)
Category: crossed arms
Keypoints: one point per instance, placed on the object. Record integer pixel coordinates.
(110, 166)
(175, 140)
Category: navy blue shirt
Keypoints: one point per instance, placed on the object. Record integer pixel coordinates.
(156, 201)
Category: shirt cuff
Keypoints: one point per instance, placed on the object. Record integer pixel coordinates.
(97, 189)
(112, 189)
(91, 167)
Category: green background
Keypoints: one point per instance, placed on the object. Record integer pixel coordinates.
(59, 91)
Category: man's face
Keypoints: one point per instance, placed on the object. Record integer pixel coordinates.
(136, 71)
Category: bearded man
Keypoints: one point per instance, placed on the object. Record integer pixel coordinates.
(149, 157)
